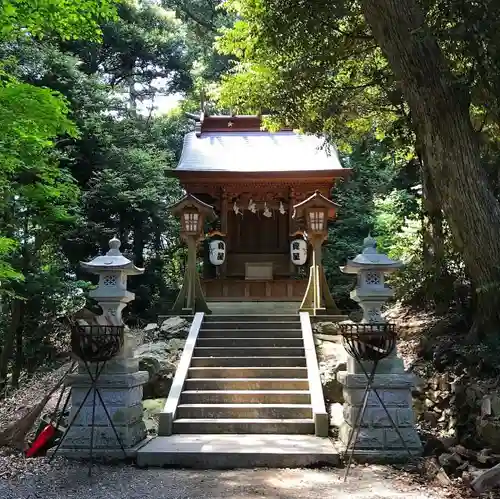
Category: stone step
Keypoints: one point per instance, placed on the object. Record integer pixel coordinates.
(246, 397)
(244, 411)
(250, 342)
(251, 325)
(251, 318)
(247, 372)
(250, 333)
(248, 362)
(246, 384)
(276, 426)
(248, 352)
(238, 451)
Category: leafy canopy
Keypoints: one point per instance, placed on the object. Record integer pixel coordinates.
(66, 19)
(31, 117)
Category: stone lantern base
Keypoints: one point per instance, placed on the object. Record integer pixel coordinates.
(377, 439)
(121, 387)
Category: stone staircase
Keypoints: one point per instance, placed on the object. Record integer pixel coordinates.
(248, 374)
(247, 393)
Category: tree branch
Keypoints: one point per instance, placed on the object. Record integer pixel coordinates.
(198, 20)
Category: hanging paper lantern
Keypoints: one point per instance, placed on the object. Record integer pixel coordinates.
(217, 251)
(298, 251)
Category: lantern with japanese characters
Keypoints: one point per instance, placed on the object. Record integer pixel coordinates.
(298, 250)
(216, 248)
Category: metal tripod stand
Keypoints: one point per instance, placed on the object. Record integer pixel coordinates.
(369, 343)
(94, 346)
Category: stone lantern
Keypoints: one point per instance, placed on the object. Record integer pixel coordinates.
(111, 293)
(315, 212)
(121, 382)
(370, 267)
(193, 213)
(377, 439)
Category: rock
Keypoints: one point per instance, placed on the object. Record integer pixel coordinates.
(176, 344)
(149, 364)
(485, 457)
(444, 382)
(472, 395)
(152, 326)
(487, 480)
(429, 403)
(175, 327)
(450, 461)
(495, 404)
(329, 328)
(431, 418)
(489, 432)
(152, 408)
(160, 359)
(332, 358)
(448, 441)
(443, 478)
(328, 337)
(150, 333)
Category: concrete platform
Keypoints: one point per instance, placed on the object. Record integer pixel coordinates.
(238, 451)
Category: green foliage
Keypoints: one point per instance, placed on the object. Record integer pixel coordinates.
(30, 118)
(143, 53)
(400, 225)
(393, 212)
(63, 18)
(373, 173)
(203, 20)
(316, 69)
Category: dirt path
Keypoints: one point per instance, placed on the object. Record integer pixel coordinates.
(70, 481)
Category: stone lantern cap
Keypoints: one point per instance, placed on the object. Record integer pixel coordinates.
(371, 259)
(112, 260)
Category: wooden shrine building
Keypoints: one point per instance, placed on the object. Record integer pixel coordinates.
(253, 178)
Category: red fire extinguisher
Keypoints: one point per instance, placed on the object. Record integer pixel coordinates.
(41, 441)
(46, 436)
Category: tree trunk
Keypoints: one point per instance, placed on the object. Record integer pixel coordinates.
(138, 247)
(19, 358)
(439, 108)
(439, 289)
(8, 344)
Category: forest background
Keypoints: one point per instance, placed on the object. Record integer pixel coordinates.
(93, 103)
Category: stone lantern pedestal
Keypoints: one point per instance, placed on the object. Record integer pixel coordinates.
(121, 382)
(378, 440)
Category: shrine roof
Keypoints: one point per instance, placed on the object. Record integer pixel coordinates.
(231, 144)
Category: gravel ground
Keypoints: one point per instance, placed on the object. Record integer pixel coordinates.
(69, 480)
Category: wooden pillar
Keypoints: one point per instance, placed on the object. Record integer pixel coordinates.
(190, 298)
(223, 229)
(291, 227)
(317, 298)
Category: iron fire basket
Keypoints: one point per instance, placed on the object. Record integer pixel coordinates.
(368, 343)
(95, 346)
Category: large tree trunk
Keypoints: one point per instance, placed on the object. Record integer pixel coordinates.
(439, 289)
(439, 107)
